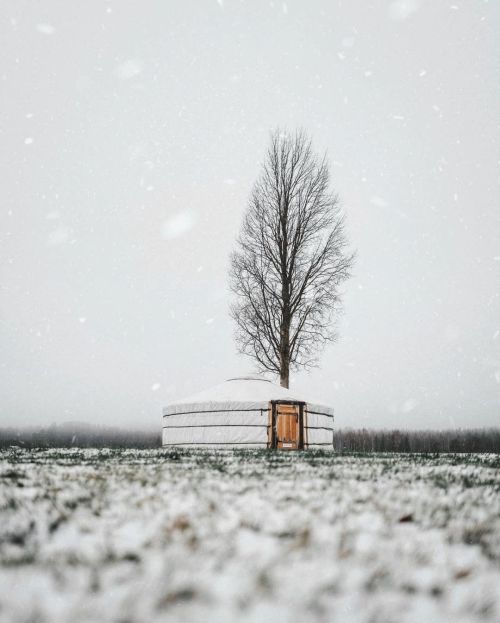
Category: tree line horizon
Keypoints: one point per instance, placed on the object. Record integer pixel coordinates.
(363, 440)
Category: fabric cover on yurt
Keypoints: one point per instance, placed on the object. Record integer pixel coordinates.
(236, 413)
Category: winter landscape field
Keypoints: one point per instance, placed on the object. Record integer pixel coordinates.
(183, 535)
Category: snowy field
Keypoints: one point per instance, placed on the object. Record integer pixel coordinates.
(178, 535)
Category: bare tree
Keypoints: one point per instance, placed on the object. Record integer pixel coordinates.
(290, 260)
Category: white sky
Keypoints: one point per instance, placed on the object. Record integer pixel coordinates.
(131, 134)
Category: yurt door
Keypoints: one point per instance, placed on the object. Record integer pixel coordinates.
(287, 426)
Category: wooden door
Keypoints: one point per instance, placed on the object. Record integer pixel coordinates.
(287, 426)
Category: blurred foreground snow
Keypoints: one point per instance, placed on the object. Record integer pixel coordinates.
(182, 535)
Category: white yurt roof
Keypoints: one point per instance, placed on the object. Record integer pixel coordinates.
(242, 392)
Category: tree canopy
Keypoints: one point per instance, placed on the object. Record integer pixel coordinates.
(290, 259)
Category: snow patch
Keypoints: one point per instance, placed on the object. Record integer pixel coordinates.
(253, 536)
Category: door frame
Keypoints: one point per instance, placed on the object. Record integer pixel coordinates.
(272, 441)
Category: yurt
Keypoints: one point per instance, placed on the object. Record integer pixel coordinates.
(248, 412)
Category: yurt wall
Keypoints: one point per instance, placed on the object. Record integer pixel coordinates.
(248, 412)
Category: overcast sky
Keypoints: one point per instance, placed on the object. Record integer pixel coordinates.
(131, 135)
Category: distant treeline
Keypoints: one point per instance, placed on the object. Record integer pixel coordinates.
(78, 435)
(456, 440)
(344, 440)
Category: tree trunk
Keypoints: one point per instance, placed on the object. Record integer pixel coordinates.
(284, 372)
(285, 353)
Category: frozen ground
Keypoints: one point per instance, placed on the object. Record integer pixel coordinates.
(99, 535)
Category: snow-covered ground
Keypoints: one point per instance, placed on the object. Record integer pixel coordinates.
(100, 535)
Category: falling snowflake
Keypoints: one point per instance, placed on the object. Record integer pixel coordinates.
(129, 69)
(177, 225)
(45, 29)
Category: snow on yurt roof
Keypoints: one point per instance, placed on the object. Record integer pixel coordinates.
(248, 392)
